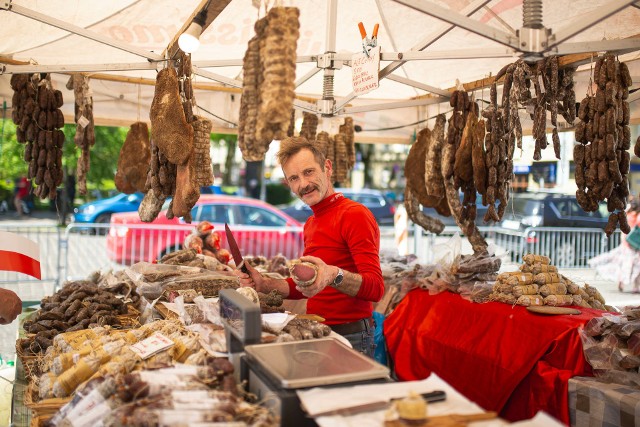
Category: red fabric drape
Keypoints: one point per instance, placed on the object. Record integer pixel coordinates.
(504, 358)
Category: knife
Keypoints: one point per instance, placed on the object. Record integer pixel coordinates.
(434, 396)
(235, 250)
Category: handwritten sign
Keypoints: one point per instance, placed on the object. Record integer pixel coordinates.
(365, 71)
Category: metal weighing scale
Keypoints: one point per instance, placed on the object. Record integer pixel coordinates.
(275, 371)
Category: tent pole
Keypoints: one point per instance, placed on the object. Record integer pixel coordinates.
(618, 46)
(326, 105)
(393, 105)
(598, 15)
(307, 76)
(20, 10)
(217, 77)
(455, 18)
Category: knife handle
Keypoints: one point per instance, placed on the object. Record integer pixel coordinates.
(242, 267)
(434, 396)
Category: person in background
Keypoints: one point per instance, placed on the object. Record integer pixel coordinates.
(341, 238)
(10, 306)
(21, 192)
(622, 263)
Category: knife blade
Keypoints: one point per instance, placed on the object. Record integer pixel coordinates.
(235, 250)
(434, 396)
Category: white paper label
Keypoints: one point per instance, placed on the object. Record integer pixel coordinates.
(365, 70)
(152, 345)
(83, 122)
(88, 410)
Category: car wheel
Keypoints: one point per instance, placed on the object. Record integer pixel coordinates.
(565, 255)
(104, 218)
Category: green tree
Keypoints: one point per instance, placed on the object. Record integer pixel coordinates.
(12, 164)
(231, 141)
(104, 154)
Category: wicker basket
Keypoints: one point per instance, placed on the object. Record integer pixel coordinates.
(30, 362)
(40, 421)
(44, 407)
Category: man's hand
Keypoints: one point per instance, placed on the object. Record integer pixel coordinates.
(326, 275)
(10, 306)
(252, 280)
(260, 283)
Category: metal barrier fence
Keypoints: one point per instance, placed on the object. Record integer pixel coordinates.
(93, 247)
(74, 253)
(567, 247)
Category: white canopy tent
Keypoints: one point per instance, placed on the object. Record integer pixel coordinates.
(122, 43)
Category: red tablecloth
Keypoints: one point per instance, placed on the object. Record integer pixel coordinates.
(504, 358)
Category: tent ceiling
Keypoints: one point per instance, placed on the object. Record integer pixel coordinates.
(144, 29)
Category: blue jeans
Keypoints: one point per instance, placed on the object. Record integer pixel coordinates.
(363, 341)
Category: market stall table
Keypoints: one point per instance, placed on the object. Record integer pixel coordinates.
(504, 358)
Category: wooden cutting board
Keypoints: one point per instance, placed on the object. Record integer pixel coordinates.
(451, 420)
(311, 317)
(547, 309)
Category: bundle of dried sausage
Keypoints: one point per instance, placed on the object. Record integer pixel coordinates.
(309, 126)
(420, 177)
(201, 150)
(252, 148)
(278, 57)
(169, 128)
(603, 161)
(499, 160)
(134, 158)
(348, 133)
(322, 141)
(37, 114)
(85, 132)
(341, 161)
(39, 118)
(161, 183)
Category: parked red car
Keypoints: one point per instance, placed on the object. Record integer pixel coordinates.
(258, 227)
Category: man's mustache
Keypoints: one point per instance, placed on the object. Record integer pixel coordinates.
(307, 189)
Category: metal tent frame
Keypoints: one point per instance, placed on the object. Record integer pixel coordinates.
(531, 42)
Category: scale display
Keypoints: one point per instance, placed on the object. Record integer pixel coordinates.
(241, 319)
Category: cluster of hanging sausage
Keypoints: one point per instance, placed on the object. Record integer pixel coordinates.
(85, 129)
(268, 87)
(601, 158)
(499, 146)
(339, 148)
(37, 114)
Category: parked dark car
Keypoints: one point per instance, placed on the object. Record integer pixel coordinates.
(568, 236)
(380, 205)
(550, 210)
(448, 221)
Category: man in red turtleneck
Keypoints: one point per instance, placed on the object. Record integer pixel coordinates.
(341, 238)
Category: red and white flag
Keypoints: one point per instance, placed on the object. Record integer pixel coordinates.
(19, 254)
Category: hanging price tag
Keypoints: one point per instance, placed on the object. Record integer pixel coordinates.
(83, 121)
(365, 70)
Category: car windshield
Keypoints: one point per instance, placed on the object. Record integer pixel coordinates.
(526, 207)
